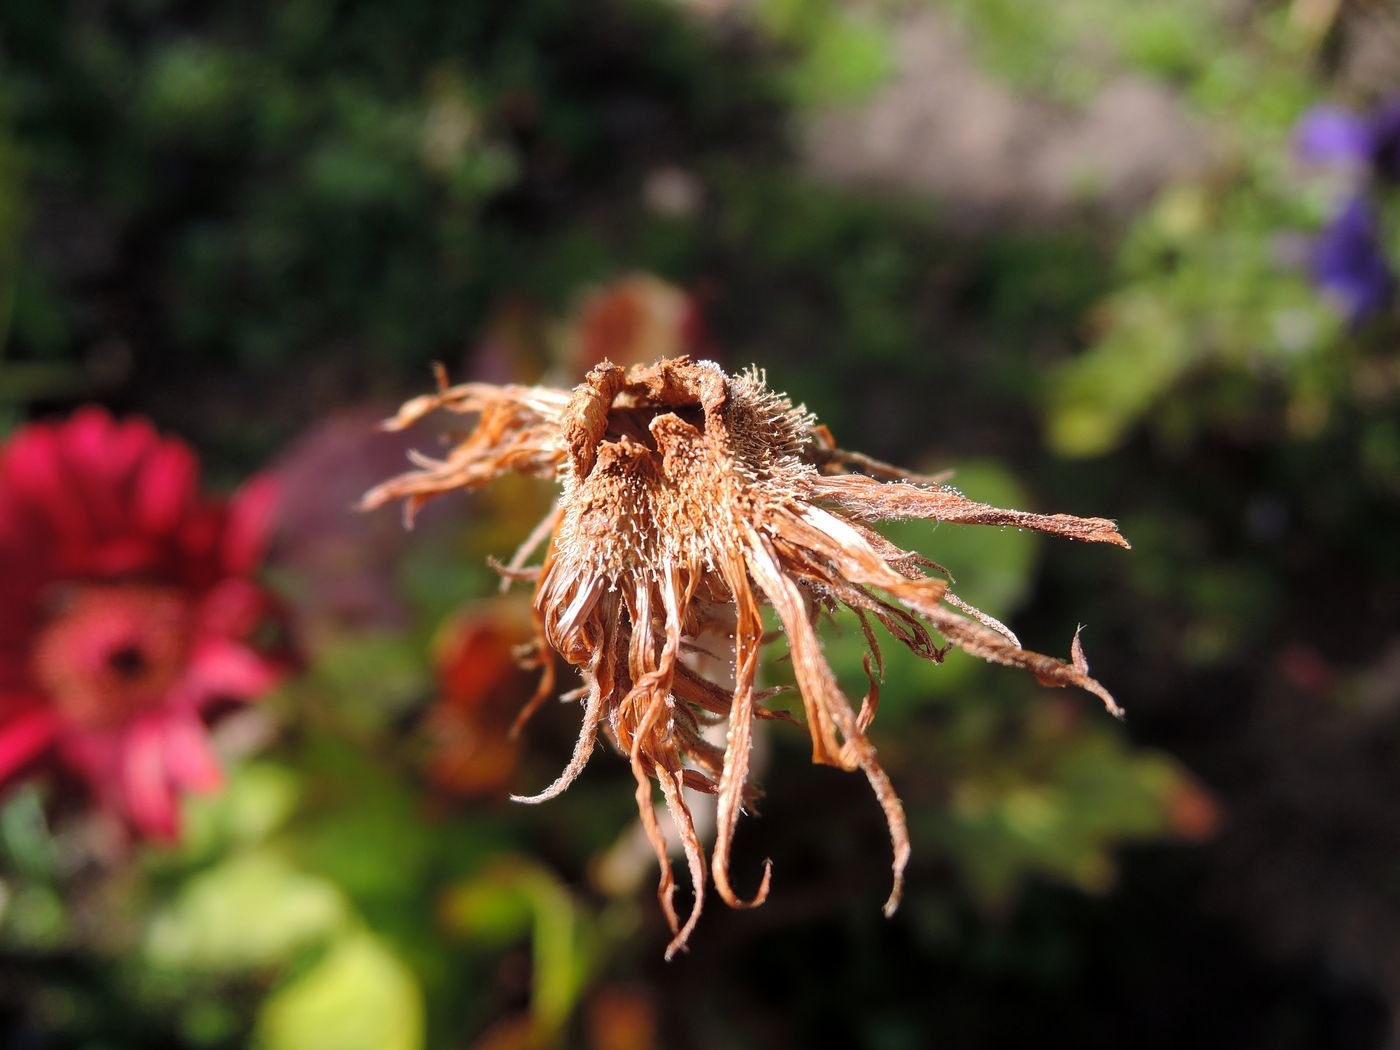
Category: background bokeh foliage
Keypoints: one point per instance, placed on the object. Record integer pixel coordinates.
(258, 223)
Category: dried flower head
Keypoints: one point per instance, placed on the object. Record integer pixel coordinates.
(690, 498)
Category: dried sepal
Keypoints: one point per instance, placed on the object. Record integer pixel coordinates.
(690, 498)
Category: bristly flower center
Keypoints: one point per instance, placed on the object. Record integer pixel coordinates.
(665, 470)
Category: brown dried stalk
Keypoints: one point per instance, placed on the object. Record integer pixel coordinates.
(691, 498)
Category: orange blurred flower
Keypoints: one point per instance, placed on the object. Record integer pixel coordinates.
(483, 688)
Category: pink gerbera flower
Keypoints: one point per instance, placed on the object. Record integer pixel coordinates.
(127, 612)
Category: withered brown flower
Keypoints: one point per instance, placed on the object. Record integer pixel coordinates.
(691, 498)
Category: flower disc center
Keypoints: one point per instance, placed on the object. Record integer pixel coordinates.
(111, 651)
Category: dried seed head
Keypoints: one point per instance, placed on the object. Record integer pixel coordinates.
(690, 498)
(665, 469)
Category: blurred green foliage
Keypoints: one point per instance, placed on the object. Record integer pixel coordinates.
(837, 54)
(1070, 49)
(280, 159)
(359, 995)
(1205, 288)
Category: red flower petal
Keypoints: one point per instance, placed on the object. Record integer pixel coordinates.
(86, 441)
(16, 630)
(189, 757)
(251, 515)
(221, 669)
(25, 739)
(147, 790)
(165, 489)
(233, 609)
(33, 472)
(119, 556)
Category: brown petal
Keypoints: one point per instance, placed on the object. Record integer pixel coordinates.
(747, 635)
(871, 500)
(814, 676)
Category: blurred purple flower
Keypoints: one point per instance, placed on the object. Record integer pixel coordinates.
(1347, 261)
(341, 565)
(1337, 138)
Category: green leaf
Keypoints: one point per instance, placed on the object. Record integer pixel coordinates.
(845, 62)
(26, 843)
(837, 56)
(258, 800)
(371, 678)
(1055, 803)
(366, 832)
(34, 915)
(512, 896)
(251, 911)
(360, 996)
(191, 87)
